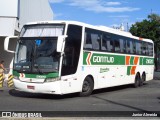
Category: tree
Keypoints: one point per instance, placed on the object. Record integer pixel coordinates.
(148, 28)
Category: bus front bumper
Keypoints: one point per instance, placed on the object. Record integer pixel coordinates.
(47, 88)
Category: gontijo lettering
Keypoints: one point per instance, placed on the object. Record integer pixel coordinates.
(103, 59)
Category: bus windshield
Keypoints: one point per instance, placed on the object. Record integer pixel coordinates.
(36, 49)
(37, 55)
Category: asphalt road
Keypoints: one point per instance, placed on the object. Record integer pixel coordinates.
(115, 100)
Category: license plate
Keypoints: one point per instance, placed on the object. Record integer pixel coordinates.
(30, 87)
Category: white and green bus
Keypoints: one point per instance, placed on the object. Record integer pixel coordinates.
(61, 57)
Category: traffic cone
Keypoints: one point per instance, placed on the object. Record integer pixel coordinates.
(10, 81)
(1, 80)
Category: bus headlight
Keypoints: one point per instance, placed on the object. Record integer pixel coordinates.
(51, 79)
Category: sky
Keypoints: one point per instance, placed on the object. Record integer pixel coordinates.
(104, 12)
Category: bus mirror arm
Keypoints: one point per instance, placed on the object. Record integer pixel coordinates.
(60, 43)
(6, 43)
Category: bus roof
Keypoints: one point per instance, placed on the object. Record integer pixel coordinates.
(101, 28)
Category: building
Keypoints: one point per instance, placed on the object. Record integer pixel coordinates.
(13, 15)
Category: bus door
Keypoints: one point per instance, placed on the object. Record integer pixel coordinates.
(70, 60)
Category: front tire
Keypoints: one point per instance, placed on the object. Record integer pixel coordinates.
(87, 87)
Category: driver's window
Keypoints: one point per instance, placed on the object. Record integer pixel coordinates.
(22, 53)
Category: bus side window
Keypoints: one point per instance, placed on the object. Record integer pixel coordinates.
(139, 47)
(131, 47)
(87, 41)
(147, 51)
(92, 39)
(134, 46)
(105, 43)
(150, 49)
(145, 48)
(95, 38)
(122, 45)
(117, 45)
(111, 45)
(128, 50)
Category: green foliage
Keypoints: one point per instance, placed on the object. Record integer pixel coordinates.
(148, 28)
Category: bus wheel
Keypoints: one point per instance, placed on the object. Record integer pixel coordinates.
(137, 81)
(143, 79)
(87, 87)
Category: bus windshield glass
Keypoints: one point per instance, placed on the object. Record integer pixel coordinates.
(37, 55)
(36, 49)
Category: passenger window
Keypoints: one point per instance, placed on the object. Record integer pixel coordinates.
(117, 45)
(88, 42)
(122, 45)
(144, 48)
(92, 40)
(95, 41)
(129, 46)
(139, 48)
(134, 46)
(111, 47)
(147, 51)
(106, 42)
(150, 49)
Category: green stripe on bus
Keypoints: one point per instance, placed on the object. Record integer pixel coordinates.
(109, 59)
(148, 61)
(129, 70)
(85, 54)
(141, 61)
(132, 60)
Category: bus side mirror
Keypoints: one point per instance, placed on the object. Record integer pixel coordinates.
(60, 43)
(6, 43)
